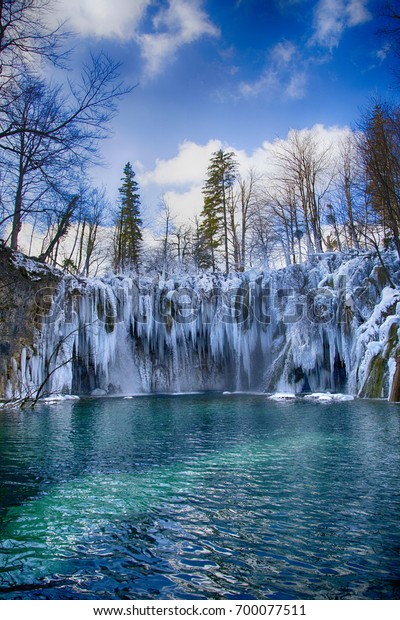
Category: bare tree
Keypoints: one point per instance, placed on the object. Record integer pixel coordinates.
(285, 214)
(94, 250)
(348, 182)
(64, 220)
(51, 135)
(181, 240)
(304, 167)
(161, 257)
(379, 147)
(36, 162)
(87, 248)
(390, 32)
(263, 236)
(245, 200)
(26, 38)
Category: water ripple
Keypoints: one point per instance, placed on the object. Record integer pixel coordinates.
(171, 498)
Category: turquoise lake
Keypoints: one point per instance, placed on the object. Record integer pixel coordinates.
(200, 496)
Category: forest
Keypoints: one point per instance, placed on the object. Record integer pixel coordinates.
(319, 197)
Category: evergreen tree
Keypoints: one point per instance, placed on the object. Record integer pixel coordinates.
(128, 235)
(217, 197)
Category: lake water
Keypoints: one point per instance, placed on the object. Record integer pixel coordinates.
(200, 496)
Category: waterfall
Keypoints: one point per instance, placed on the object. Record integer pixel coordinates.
(294, 329)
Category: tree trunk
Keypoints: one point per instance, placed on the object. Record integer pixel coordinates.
(62, 229)
(225, 230)
(17, 217)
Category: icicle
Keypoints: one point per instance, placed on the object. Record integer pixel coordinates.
(287, 331)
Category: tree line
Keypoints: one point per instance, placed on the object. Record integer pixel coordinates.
(314, 198)
(318, 198)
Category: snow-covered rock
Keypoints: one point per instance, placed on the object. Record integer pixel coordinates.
(282, 396)
(328, 397)
(58, 398)
(319, 328)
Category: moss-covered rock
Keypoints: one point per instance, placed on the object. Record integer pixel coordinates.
(374, 384)
(26, 289)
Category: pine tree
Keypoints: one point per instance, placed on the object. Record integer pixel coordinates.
(217, 196)
(128, 235)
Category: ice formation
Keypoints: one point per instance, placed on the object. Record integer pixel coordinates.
(314, 328)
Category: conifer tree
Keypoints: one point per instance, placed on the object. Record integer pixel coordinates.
(217, 196)
(128, 235)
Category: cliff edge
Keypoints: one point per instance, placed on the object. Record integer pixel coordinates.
(26, 290)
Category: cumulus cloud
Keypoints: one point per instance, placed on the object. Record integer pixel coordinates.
(188, 167)
(185, 205)
(102, 18)
(180, 179)
(175, 24)
(181, 23)
(333, 17)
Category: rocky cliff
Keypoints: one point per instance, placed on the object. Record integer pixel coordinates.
(26, 291)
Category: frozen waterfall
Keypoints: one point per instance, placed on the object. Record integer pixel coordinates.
(296, 329)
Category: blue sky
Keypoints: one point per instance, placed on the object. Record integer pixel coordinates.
(230, 73)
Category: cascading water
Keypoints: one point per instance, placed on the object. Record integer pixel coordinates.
(295, 329)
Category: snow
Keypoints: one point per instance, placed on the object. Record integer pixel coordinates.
(58, 398)
(372, 338)
(328, 397)
(33, 268)
(282, 396)
(307, 328)
(316, 396)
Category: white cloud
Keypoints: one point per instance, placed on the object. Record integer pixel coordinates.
(185, 206)
(175, 24)
(268, 82)
(382, 53)
(296, 87)
(333, 17)
(183, 22)
(284, 75)
(283, 52)
(102, 18)
(357, 12)
(180, 178)
(286, 71)
(156, 50)
(324, 137)
(188, 167)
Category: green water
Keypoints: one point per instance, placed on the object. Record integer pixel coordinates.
(201, 496)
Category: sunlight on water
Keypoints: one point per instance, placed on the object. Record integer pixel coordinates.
(200, 497)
